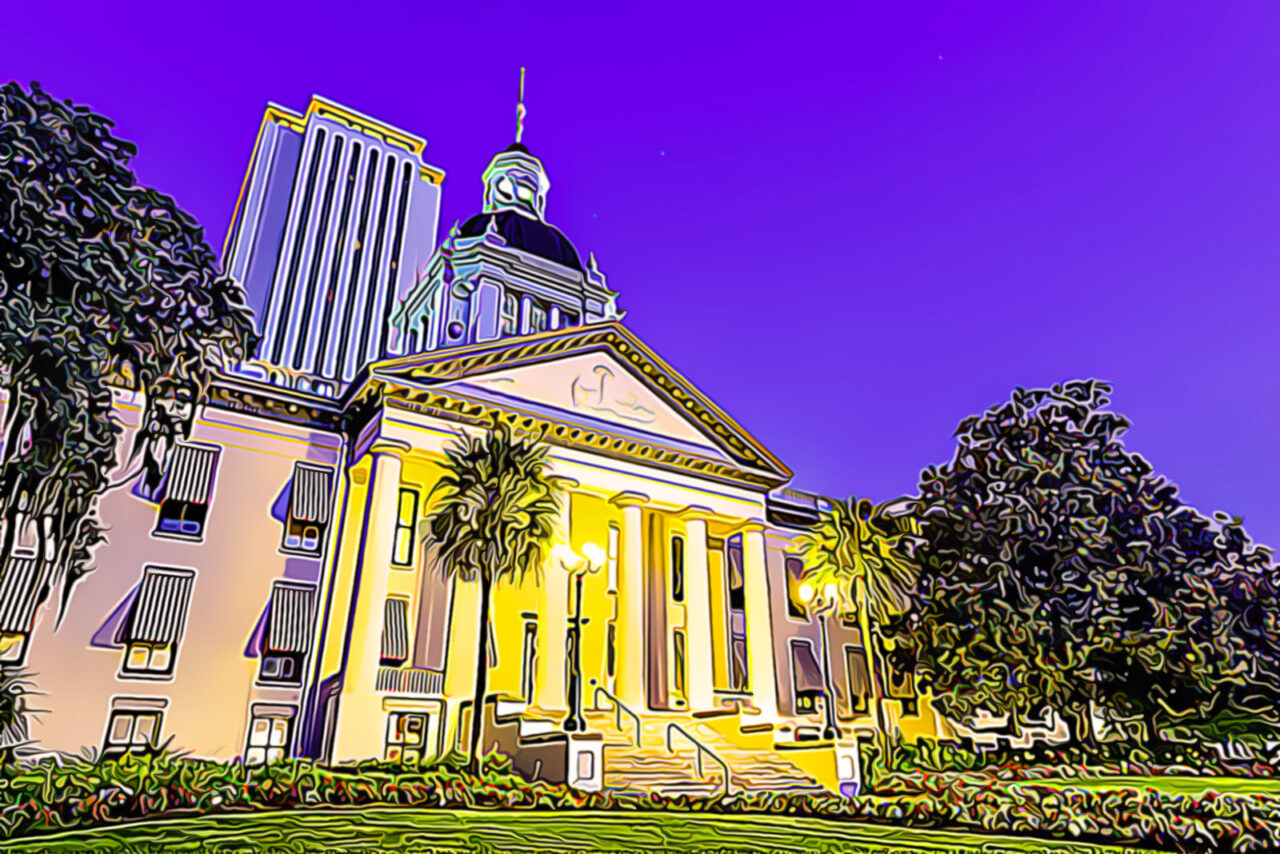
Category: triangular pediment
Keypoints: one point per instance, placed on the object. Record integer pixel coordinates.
(600, 378)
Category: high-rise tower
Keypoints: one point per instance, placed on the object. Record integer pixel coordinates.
(337, 213)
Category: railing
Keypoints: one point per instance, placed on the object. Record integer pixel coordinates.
(699, 749)
(410, 680)
(618, 708)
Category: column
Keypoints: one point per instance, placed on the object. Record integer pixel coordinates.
(697, 606)
(373, 565)
(361, 722)
(760, 661)
(549, 688)
(630, 634)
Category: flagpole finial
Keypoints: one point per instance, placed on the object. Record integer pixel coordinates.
(520, 111)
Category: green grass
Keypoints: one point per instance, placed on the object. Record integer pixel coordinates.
(520, 831)
(1176, 785)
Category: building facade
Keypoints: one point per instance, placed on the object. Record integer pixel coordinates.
(277, 594)
(337, 214)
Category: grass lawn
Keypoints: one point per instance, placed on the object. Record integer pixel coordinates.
(1176, 785)
(519, 831)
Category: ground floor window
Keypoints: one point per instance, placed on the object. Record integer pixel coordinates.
(406, 737)
(132, 731)
(677, 642)
(269, 734)
(856, 676)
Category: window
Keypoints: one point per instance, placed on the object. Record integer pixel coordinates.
(902, 687)
(677, 569)
(287, 638)
(733, 566)
(395, 632)
(406, 737)
(406, 519)
(20, 595)
(309, 508)
(146, 657)
(806, 676)
(795, 573)
(612, 560)
(739, 677)
(528, 676)
(537, 318)
(856, 675)
(269, 731)
(155, 622)
(132, 731)
(611, 655)
(510, 314)
(677, 643)
(280, 667)
(184, 496)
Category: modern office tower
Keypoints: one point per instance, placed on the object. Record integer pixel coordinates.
(337, 213)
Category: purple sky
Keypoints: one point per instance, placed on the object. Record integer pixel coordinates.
(851, 226)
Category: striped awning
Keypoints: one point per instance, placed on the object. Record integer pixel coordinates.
(191, 474)
(395, 630)
(289, 627)
(309, 501)
(19, 594)
(160, 611)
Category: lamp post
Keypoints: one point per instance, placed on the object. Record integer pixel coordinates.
(830, 593)
(579, 566)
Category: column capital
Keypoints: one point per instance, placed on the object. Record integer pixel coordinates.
(694, 513)
(750, 526)
(393, 447)
(564, 481)
(629, 499)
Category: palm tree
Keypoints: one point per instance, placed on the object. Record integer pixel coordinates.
(14, 714)
(858, 549)
(494, 521)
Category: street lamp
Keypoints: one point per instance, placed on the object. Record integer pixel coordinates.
(579, 566)
(829, 597)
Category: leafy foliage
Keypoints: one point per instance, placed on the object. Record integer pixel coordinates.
(1059, 570)
(860, 551)
(494, 520)
(15, 714)
(101, 281)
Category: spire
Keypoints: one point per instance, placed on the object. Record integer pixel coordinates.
(520, 111)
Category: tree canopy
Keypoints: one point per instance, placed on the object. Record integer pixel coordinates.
(496, 513)
(1060, 570)
(102, 282)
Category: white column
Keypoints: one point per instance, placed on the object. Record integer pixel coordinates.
(630, 677)
(374, 564)
(553, 624)
(700, 693)
(761, 669)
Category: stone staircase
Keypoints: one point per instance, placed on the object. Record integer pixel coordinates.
(629, 769)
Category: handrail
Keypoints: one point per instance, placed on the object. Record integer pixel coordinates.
(697, 753)
(618, 707)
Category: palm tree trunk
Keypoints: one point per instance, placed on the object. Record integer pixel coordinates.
(482, 677)
(869, 648)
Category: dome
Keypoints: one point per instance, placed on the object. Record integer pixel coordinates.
(531, 235)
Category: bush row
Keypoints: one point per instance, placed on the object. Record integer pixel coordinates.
(43, 798)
